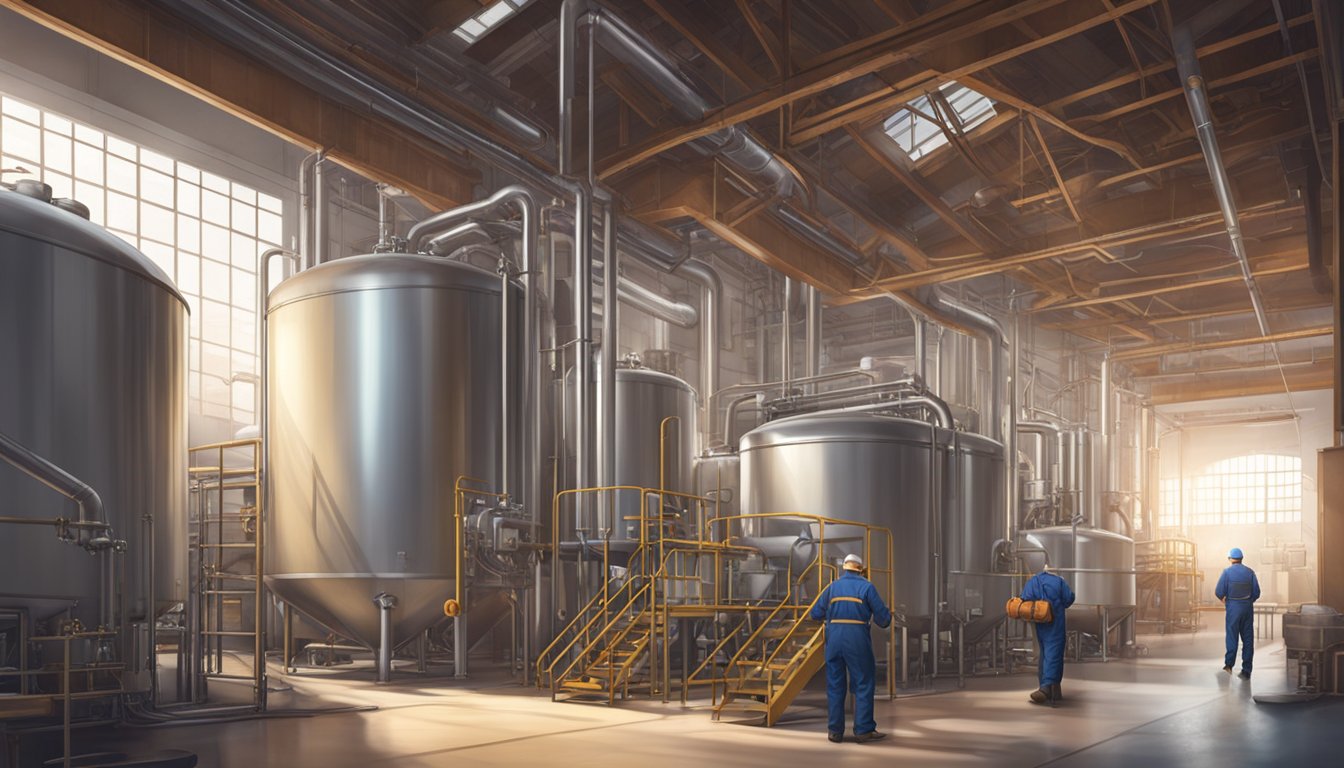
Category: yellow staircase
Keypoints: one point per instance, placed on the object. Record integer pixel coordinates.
(774, 665)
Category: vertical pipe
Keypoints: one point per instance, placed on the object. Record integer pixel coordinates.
(786, 336)
(710, 316)
(921, 349)
(1009, 430)
(306, 206)
(814, 331)
(583, 346)
(460, 646)
(319, 243)
(610, 326)
(384, 243)
(505, 370)
(385, 603)
(1107, 416)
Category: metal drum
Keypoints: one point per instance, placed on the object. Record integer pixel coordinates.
(863, 467)
(1102, 574)
(92, 378)
(383, 387)
(974, 519)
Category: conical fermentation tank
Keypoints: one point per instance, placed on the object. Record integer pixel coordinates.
(974, 520)
(93, 379)
(383, 386)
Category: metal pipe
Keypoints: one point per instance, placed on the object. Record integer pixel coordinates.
(519, 198)
(610, 324)
(711, 314)
(385, 603)
(263, 387)
(306, 203)
(652, 303)
(932, 403)
(1196, 97)
(384, 243)
(584, 422)
(91, 513)
(319, 243)
(921, 349)
(786, 336)
(813, 337)
(1108, 452)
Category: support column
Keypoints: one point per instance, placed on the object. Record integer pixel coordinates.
(385, 603)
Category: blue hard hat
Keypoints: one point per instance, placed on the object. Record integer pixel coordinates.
(1235, 554)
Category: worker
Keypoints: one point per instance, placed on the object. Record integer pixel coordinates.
(1051, 635)
(847, 605)
(1239, 589)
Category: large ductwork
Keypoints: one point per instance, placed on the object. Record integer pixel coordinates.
(1197, 97)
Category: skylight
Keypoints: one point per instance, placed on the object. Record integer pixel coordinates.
(479, 26)
(915, 126)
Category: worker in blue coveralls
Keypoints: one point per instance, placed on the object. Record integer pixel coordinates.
(847, 605)
(1050, 635)
(1239, 589)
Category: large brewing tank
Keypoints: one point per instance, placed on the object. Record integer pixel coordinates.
(92, 378)
(383, 387)
(974, 519)
(1102, 573)
(864, 467)
(651, 452)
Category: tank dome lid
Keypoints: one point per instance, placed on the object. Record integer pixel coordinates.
(650, 376)
(39, 220)
(382, 271)
(838, 426)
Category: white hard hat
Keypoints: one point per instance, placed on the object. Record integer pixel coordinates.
(853, 563)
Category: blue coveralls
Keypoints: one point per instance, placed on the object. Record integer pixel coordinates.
(847, 605)
(1051, 635)
(1239, 589)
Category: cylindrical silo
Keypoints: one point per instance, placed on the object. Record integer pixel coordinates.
(93, 379)
(383, 386)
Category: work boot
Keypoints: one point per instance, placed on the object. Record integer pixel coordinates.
(836, 738)
(1057, 692)
(1244, 675)
(864, 738)
(1228, 669)
(1040, 696)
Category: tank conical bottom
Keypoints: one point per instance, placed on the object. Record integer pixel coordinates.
(344, 603)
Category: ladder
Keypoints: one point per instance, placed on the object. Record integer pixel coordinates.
(227, 531)
(775, 664)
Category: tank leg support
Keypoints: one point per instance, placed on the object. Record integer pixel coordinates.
(385, 603)
(460, 646)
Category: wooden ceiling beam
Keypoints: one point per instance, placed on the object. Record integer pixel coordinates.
(766, 38)
(925, 192)
(1191, 347)
(959, 61)
(864, 57)
(689, 26)
(1243, 384)
(177, 53)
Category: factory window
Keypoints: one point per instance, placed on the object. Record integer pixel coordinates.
(491, 16)
(918, 127)
(1248, 490)
(204, 231)
(1169, 504)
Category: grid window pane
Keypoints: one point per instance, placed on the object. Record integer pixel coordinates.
(203, 230)
(1248, 490)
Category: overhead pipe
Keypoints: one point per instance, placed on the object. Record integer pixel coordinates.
(1196, 97)
(91, 513)
(753, 389)
(942, 414)
(652, 303)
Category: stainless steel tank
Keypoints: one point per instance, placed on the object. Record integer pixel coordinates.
(864, 467)
(383, 384)
(647, 454)
(93, 378)
(1101, 573)
(973, 522)
(718, 477)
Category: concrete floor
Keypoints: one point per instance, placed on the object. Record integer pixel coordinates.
(1173, 708)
